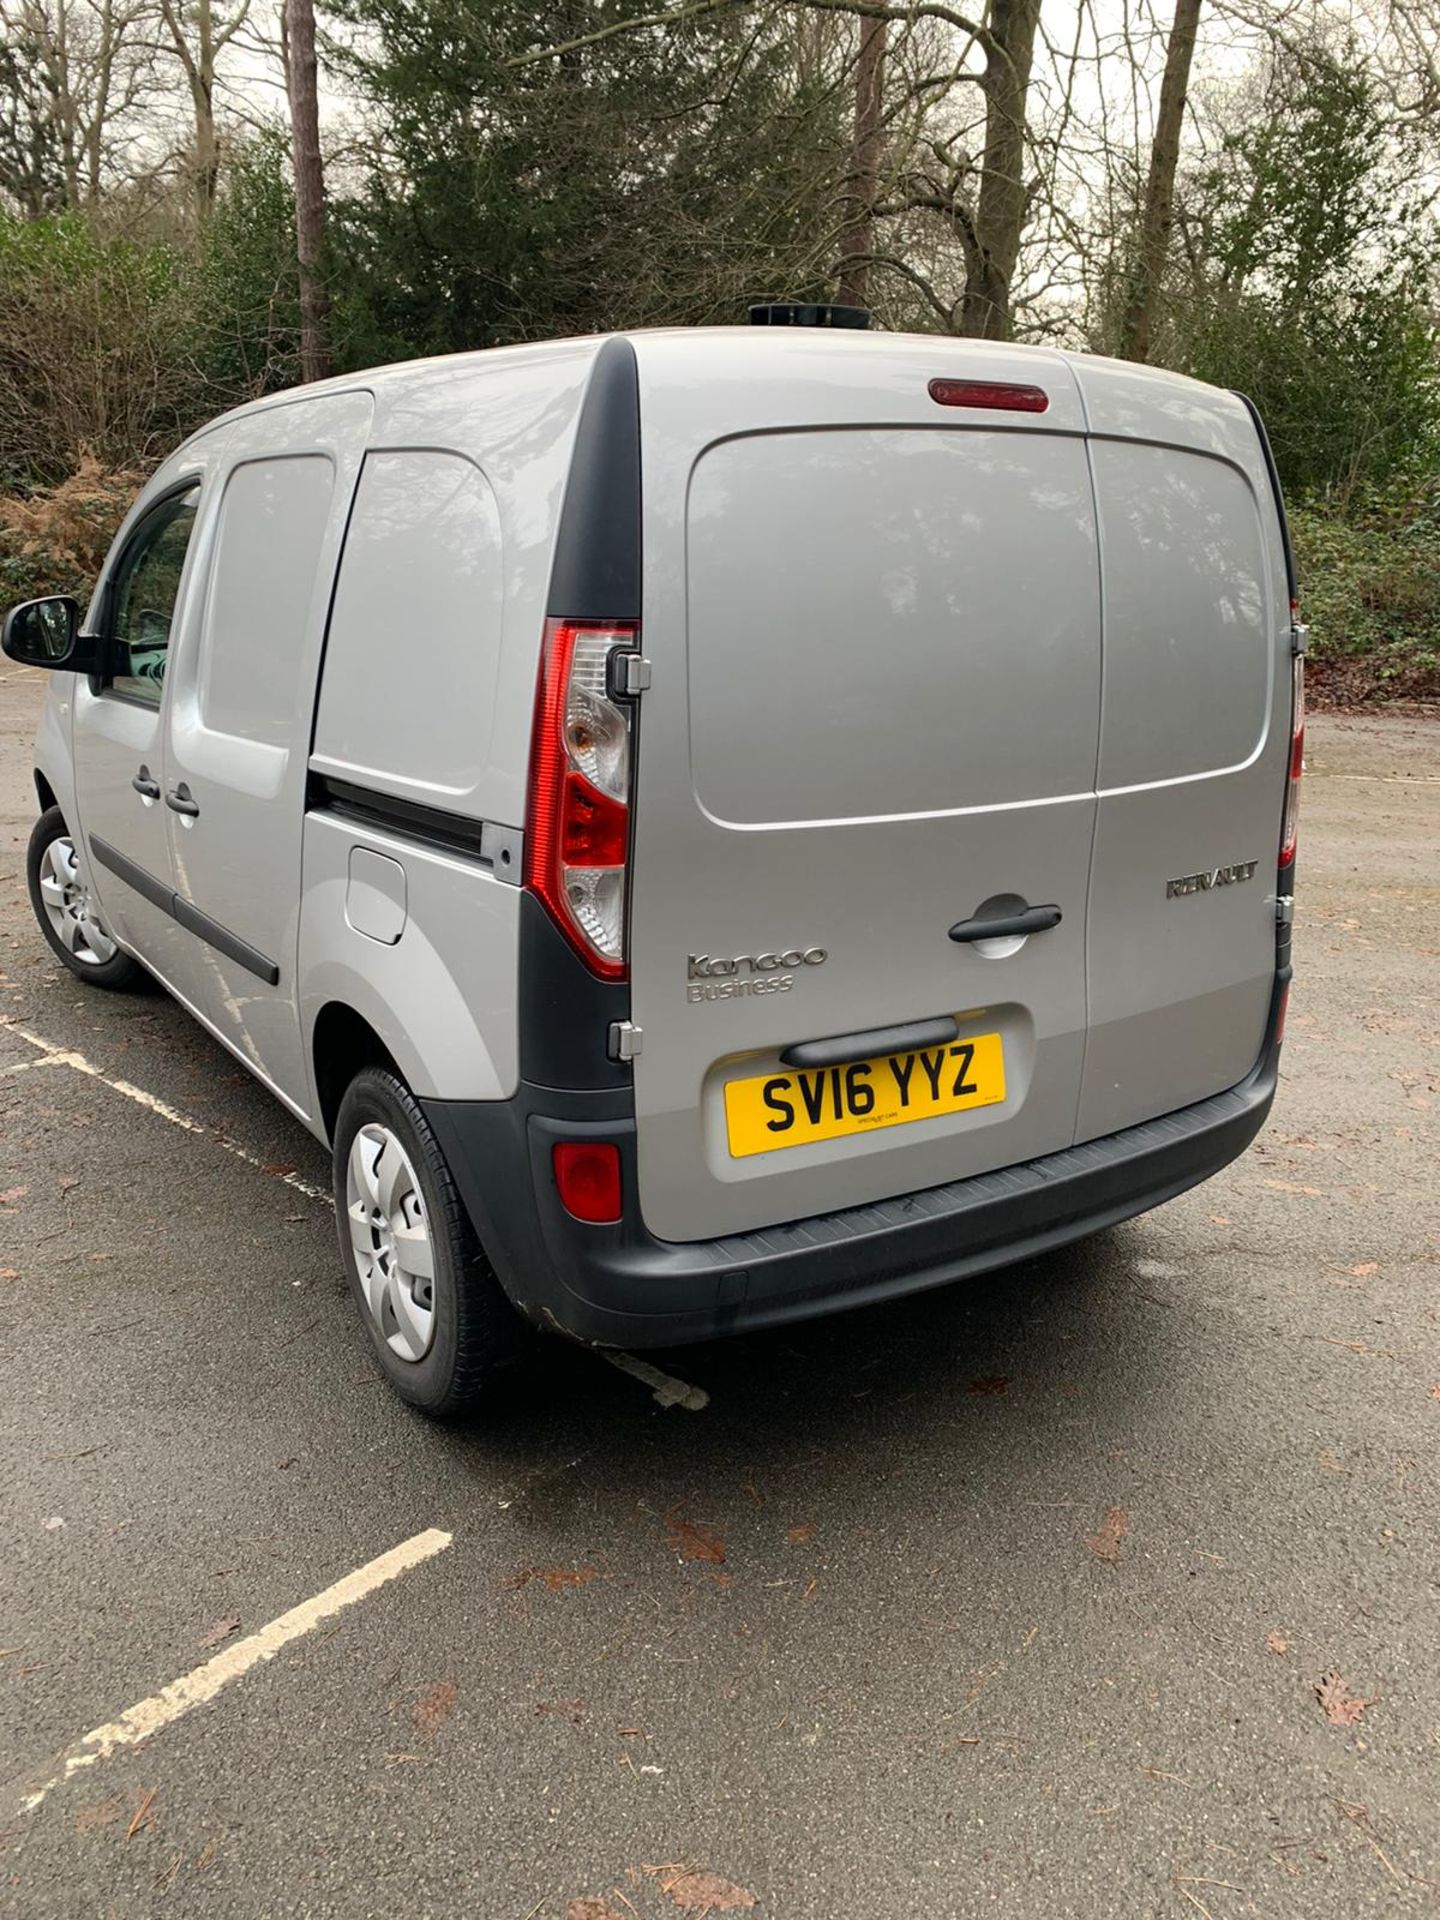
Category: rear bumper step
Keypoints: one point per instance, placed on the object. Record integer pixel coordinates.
(619, 1286)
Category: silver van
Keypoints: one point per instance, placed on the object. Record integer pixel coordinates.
(710, 826)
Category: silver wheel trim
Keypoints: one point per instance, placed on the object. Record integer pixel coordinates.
(394, 1255)
(69, 907)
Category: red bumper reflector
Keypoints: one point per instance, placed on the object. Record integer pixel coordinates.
(989, 393)
(1280, 1016)
(587, 1176)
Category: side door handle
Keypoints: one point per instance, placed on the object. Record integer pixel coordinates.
(1008, 926)
(181, 800)
(145, 784)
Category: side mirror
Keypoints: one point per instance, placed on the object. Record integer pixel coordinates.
(46, 633)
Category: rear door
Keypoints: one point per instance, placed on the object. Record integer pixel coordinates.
(874, 629)
(1194, 746)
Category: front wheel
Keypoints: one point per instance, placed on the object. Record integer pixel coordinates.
(66, 911)
(438, 1320)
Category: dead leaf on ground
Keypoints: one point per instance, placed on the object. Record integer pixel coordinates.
(797, 1536)
(9, 1273)
(1105, 1545)
(1327, 1460)
(995, 1383)
(143, 1816)
(1435, 1391)
(206, 1856)
(1275, 1642)
(104, 1814)
(694, 1541)
(1289, 1186)
(553, 1579)
(1364, 1270)
(708, 1893)
(434, 1707)
(221, 1630)
(591, 1907)
(68, 1183)
(11, 1195)
(281, 1167)
(1339, 1706)
(571, 1710)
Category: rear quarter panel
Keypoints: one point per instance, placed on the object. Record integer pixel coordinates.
(442, 997)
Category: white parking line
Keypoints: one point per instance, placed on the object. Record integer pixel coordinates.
(668, 1392)
(144, 1720)
(52, 1055)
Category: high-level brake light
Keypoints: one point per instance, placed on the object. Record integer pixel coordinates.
(1001, 395)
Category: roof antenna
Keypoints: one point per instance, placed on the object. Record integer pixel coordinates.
(797, 313)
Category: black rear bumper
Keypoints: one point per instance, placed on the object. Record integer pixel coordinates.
(619, 1286)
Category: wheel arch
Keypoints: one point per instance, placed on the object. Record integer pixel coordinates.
(342, 1044)
(44, 792)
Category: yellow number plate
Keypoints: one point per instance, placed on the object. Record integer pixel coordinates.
(795, 1109)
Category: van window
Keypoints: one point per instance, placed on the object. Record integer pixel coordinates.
(1187, 653)
(891, 621)
(272, 526)
(144, 589)
(414, 641)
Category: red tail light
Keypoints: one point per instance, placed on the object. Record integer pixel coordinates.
(1290, 830)
(577, 835)
(587, 1176)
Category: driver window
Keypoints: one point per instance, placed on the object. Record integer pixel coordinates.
(143, 595)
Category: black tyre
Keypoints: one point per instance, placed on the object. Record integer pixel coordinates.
(446, 1337)
(65, 909)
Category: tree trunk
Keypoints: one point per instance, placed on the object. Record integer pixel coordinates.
(207, 139)
(300, 81)
(985, 312)
(857, 242)
(1158, 215)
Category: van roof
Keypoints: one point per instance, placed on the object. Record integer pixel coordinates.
(772, 347)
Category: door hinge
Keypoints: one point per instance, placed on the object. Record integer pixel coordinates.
(624, 1041)
(1285, 910)
(629, 673)
(1299, 639)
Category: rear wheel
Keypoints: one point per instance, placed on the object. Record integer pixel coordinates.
(66, 910)
(438, 1320)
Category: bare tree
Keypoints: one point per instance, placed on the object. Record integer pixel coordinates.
(73, 76)
(1002, 200)
(198, 36)
(301, 80)
(1158, 211)
(857, 240)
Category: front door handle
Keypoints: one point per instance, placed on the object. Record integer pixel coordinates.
(181, 800)
(145, 785)
(1008, 926)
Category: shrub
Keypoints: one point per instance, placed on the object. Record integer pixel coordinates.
(1370, 590)
(55, 540)
(88, 365)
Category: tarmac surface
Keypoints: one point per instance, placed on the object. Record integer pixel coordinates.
(1108, 1585)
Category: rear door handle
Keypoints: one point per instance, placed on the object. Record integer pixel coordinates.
(1008, 926)
(145, 785)
(181, 800)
